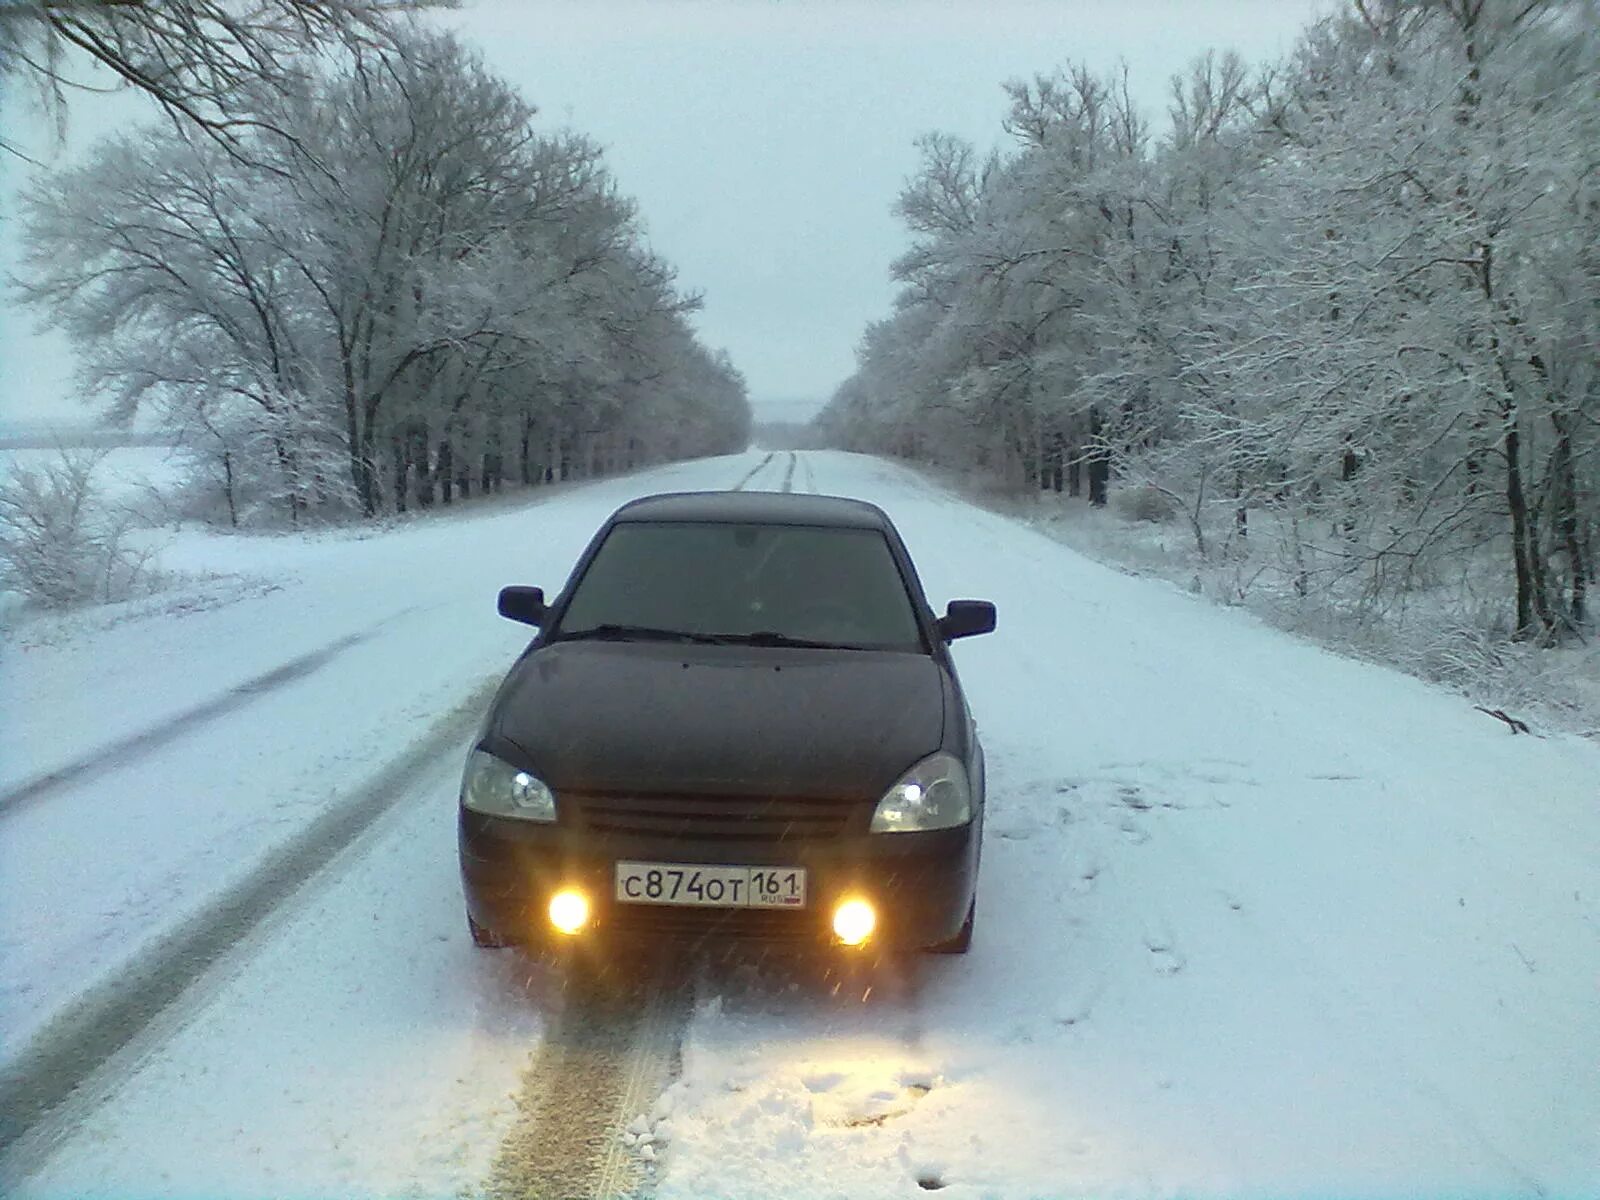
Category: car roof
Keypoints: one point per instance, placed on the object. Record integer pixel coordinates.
(762, 508)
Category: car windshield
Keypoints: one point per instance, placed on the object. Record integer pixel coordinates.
(809, 584)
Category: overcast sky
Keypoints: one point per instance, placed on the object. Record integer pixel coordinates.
(765, 140)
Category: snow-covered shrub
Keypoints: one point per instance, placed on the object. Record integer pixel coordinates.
(281, 462)
(1143, 503)
(60, 543)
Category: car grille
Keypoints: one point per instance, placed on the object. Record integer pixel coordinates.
(709, 819)
(716, 924)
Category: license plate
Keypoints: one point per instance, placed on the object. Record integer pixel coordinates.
(697, 885)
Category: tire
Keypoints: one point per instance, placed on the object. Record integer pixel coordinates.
(962, 942)
(486, 939)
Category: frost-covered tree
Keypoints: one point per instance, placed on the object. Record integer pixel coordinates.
(1402, 313)
(198, 59)
(1348, 304)
(61, 544)
(401, 270)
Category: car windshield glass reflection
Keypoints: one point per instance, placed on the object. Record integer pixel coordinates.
(760, 584)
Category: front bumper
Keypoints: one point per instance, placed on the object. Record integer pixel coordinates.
(921, 884)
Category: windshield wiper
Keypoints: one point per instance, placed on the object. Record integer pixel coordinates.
(771, 637)
(610, 632)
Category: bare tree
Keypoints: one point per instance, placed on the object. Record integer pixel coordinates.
(1342, 316)
(392, 271)
(197, 59)
(61, 544)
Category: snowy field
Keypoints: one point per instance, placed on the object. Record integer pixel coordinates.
(1254, 919)
(124, 473)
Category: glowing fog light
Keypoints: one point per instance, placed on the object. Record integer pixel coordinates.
(854, 921)
(569, 910)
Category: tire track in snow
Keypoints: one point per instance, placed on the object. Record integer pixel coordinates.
(613, 1048)
(139, 745)
(751, 474)
(616, 1045)
(788, 474)
(100, 1038)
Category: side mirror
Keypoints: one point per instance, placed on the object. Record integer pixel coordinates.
(965, 618)
(525, 604)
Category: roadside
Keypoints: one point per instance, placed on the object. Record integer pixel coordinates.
(45, 1089)
(1553, 689)
(356, 1044)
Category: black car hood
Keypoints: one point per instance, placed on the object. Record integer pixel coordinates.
(596, 716)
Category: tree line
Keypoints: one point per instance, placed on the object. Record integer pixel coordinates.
(370, 283)
(1348, 303)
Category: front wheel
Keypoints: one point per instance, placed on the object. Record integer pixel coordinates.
(962, 942)
(487, 939)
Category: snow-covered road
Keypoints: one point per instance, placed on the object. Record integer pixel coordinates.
(1254, 918)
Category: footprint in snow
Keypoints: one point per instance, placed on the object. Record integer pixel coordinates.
(1164, 956)
(1077, 1000)
(1018, 828)
(853, 1110)
(1165, 960)
(823, 1081)
(881, 1107)
(917, 1082)
(1133, 797)
(1037, 805)
(928, 1174)
(1073, 1013)
(1084, 876)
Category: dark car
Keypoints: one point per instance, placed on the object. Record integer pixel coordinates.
(739, 720)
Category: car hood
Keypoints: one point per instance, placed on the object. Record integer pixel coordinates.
(595, 716)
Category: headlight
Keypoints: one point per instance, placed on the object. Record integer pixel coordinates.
(932, 795)
(493, 786)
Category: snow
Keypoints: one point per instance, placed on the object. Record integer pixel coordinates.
(362, 1052)
(1254, 918)
(406, 621)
